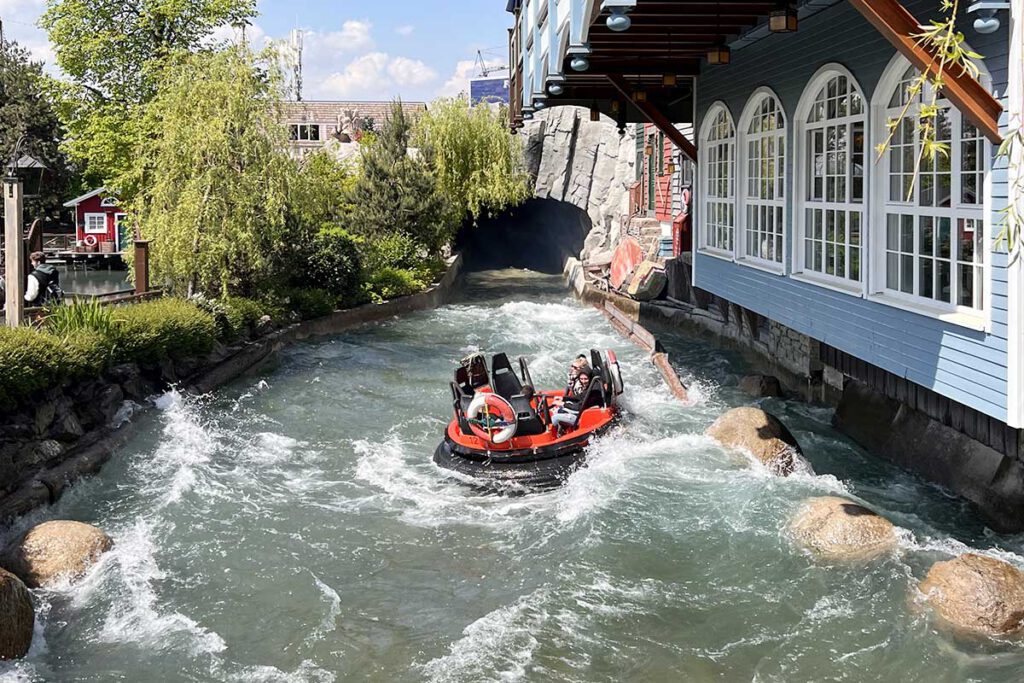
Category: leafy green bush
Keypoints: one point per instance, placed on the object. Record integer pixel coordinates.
(334, 263)
(310, 303)
(390, 250)
(30, 361)
(174, 328)
(243, 314)
(389, 283)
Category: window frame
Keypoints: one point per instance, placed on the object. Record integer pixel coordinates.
(879, 291)
(86, 230)
(781, 200)
(711, 116)
(307, 128)
(798, 191)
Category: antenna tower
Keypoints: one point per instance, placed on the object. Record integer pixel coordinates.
(296, 44)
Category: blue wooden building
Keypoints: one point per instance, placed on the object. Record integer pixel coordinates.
(887, 265)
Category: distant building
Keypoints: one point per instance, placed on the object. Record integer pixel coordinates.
(311, 125)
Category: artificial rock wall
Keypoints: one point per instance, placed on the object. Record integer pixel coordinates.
(587, 164)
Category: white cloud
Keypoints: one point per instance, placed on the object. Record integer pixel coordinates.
(464, 70)
(354, 36)
(377, 75)
(405, 30)
(410, 72)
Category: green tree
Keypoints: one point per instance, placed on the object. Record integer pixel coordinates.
(27, 114)
(396, 193)
(113, 52)
(210, 186)
(479, 166)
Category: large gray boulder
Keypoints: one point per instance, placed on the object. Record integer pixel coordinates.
(16, 617)
(56, 550)
(977, 594)
(762, 435)
(837, 529)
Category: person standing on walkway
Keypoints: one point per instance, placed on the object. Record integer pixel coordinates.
(43, 281)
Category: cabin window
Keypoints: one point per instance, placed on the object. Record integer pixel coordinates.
(305, 132)
(933, 246)
(719, 160)
(764, 184)
(95, 224)
(832, 216)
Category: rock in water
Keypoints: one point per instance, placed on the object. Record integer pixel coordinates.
(837, 529)
(54, 550)
(977, 594)
(760, 433)
(16, 617)
(761, 386)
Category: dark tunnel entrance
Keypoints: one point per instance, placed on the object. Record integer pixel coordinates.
(540, 235)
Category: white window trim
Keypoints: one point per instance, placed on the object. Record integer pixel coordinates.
(877, 291)
(798, 152)
(85, 224)
(742, 138)
(702, 174)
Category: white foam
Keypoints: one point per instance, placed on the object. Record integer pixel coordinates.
(125, 581)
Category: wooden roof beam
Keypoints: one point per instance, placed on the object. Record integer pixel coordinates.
(660, 121)
(898, 25)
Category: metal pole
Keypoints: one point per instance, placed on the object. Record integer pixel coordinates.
(14, 252)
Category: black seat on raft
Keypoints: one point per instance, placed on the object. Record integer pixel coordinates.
(503, 378)
(529, 422)
(460, 404)
(462, 381)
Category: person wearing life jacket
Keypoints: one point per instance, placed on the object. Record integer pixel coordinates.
(43, 280)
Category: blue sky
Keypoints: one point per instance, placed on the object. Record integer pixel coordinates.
(354, 49)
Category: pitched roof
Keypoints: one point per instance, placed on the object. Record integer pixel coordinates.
(88, 195)
(331, 111)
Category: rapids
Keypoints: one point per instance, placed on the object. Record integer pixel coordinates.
(294, 528)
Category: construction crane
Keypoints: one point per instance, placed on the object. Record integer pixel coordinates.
(481, 63)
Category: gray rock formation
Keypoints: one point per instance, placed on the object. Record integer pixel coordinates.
(586, 164)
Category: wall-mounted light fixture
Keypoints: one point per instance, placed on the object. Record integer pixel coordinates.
(618, 20)
(669, 80)
(783, 19)
(670, 168)
(595, 112)
(649, 146)
(719, 55)
(616, 106)
(639, 95)
(986, 19)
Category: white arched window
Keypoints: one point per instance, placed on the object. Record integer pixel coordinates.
(719, 172)
(831, 213)
(763, 189)
(930, 245)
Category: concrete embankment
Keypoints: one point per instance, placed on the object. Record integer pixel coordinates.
(71, 431)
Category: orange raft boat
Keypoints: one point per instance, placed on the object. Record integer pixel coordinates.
(500, 434)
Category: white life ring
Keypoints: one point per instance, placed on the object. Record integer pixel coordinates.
(615, 373)
(90, 241)
(494, 408)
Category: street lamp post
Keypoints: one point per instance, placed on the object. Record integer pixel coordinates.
(14, 251)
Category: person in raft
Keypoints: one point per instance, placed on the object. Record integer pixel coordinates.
(579, 364)
(568, 409)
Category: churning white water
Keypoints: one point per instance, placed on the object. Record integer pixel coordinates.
(294, 528)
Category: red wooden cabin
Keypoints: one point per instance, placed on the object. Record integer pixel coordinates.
(100, 223)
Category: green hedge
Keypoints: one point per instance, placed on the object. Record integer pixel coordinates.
(390, 283)
(164, 328)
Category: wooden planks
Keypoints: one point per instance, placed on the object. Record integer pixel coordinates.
(642, 337)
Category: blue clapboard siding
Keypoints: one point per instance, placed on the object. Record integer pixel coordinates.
(967, 366)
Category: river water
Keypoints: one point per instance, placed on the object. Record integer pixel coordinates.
(293, 528)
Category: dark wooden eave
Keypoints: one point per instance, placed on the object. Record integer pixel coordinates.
(898, 26)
